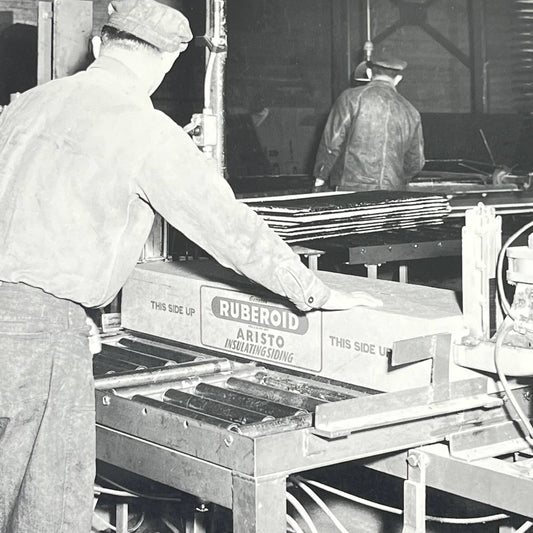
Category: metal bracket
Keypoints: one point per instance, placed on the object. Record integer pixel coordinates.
(436, 347)
(206, 41)
(414, 493)
(490, 441)
(338, 419)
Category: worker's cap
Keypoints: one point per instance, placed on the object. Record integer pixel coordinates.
(359, 73)
(391, 63)
(154, 22)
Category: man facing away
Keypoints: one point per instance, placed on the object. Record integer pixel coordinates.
(373, 136)
(84, 162)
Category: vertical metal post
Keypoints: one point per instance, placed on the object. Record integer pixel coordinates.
(403, 275)
(259, 506)
(196, 522)
(414, 494)
(122, 517)
(216, 32)
(44, 42)
(478, 56)
(481, 243)
(340, 46)
(372, 271)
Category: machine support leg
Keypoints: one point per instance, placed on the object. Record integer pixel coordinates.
(122, 517)
(372, 271)
(197, 521)
(259, 505)
(414, 494)
(403, 274)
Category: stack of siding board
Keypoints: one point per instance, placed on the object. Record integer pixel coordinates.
(319, 216)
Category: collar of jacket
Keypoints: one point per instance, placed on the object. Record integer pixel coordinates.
(383, 81)
(124, 75)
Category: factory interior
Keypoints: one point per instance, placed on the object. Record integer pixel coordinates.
(222, 408)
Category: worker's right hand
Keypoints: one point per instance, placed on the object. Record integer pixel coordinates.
(319, 186)
(346, 300)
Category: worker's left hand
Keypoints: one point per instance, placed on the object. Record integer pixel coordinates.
(95, 344)
(346, 300)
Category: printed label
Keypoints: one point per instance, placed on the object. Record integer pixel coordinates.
(360, 346)
(260, 329)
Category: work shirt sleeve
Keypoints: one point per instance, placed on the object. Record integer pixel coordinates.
(414, 158)
(334, 136)
(182, 184)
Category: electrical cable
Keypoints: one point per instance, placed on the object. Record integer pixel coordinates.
(314, 496)
(506, 328)
(302, 512)
(294, 525)
(170, 525)
(98, 489)
(499, 268)
(467, 521)
(353, 498)
(394, 510)
(524, 527)
(162, 497)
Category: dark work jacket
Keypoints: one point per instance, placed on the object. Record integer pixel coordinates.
(372, 140)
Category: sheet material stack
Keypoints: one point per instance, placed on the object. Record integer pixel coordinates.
(503, 202)
(319, 216)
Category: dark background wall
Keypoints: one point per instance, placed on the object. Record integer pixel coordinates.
(289, 59)
(296, 60)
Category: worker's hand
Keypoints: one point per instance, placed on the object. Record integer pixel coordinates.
(346, 300)
(95, 344)
(319, 186)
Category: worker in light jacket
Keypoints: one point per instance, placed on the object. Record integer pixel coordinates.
(373, 136)
(84, 162)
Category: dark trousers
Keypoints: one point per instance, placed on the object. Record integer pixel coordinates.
(47, 433)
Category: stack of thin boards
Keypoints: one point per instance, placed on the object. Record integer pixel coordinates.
(319, 216)
(503, 202)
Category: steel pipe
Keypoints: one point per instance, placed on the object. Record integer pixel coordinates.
(188, 413)
(301, 387)
(116, 364)
(187, 383)
(291, 399)
(162, 374)
(239, 399)
(130, 356)
(214, 408)
(177, 355)
(291, 423)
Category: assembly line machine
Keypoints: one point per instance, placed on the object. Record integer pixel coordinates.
(223, 391)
